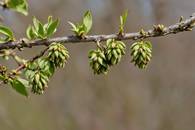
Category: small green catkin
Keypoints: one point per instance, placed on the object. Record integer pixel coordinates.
(141, 53)
(114, 51)
(98, 61)
(58, 54)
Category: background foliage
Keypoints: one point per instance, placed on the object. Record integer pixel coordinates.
(160, 97)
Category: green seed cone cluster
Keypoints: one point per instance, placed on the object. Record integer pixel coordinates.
(58, 54)
(98, 61)
(141, 53)
(105, 57)
(114, 51)
(38, 74)
(40, 83)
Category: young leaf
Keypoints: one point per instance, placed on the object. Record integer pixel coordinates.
(41, 32)
(20, 86)
(52, 26)
(30, 32)
(8, 34)
(50, 20)
(87, 21)
(74, 27)
(25, 82)
(36, 23)
(81, 29)
(123, 20)
(20, 6)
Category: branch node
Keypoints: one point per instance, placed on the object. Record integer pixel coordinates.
(159, 29)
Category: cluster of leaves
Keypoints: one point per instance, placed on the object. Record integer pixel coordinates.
(40, 31)
(107, 56)
(81, 29)
(141, 53)
(37, 31)
(20, 6)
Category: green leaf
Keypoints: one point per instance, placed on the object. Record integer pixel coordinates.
(52, 27)
(20, 6)
(30, 32)
(20, 86)
(36, 23)
(74, 27)
(50, 20)
(25, 82)
(81, 29)
(41, 32)
(87, 21)
(38, 28)
(8, 34)
(123, 20)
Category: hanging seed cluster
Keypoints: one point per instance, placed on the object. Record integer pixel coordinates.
(38, 74)
(114, 51)
(98, 61)
(40, 83)
(141, 53)
(103, 58)
(58, 54)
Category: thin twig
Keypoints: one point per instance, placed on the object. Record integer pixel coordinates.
(173, 29)
(22, 66)
(16, 58)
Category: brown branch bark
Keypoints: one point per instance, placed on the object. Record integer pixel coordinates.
(185, 25)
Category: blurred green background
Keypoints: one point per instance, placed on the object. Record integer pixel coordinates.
(159, 98)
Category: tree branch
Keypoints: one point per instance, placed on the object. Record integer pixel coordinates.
(22, 66)
(183, 25)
